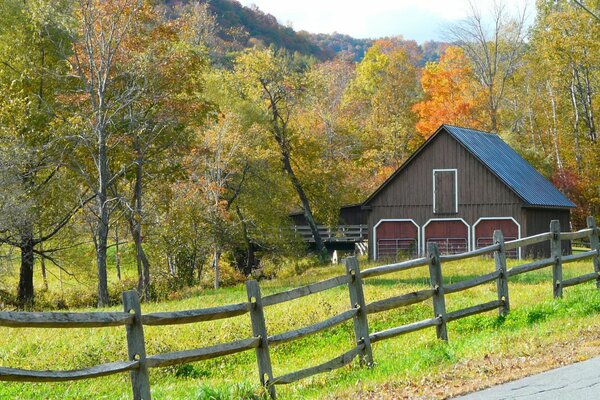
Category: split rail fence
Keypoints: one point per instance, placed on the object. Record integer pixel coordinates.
(139, 362)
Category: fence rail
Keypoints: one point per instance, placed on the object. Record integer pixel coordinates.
(133, 319)
(341, 233)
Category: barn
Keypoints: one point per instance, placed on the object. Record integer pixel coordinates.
(455, 190)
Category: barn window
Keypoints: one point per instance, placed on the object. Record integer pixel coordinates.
(445, 193)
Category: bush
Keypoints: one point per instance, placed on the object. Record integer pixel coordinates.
(229, 275)
(284, 267)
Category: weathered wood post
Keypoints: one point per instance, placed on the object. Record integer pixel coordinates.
(556, 254)
(502, 283)
(595, 245)
(259, 329)
(136, 347)
(357, 300)
(439, 301)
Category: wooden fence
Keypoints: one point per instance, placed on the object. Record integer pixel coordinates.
(139, 362)
(341, 233)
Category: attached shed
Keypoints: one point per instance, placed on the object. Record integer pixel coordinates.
(455, 190)
(351, 230)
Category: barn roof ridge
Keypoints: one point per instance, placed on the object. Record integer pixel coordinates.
(503, 161)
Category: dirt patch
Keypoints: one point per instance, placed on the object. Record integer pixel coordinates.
(468, 376)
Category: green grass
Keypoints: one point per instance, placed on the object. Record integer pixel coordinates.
(535, 320)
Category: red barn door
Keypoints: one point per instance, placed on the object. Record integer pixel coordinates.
(483, 232)
(450, 235)
(396, 239)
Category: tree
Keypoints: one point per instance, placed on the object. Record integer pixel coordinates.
(380, 98)
(595, 14)
(215, 169)
(271, 78)
(36, 190)
(99, 68)
(166, 70)
(451, 95)
(555, 101)
(328, 144)
(236, 162)
(495, 51)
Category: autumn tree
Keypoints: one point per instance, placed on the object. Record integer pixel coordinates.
(495, 51)
(38, 196)
(555, 102)
(214, 167)
(272, 80)
(451, 94)
(166, 70)
(380, 98)
(328, 144)
(99, 69)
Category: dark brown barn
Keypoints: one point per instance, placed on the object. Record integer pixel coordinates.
(455, 190)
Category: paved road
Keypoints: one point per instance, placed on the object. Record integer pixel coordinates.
(579, 381)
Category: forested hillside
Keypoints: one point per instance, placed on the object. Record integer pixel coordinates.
(250, 26)
(172, 140)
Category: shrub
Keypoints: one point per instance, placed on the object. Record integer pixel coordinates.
(284, 267)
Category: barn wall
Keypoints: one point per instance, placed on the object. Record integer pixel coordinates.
(537, 220)
(353, 215)
(298, 219)
(349, 215)
(410, 194)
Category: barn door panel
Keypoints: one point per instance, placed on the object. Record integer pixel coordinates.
(483, 232)
(451, 236)
(444, 192)
(396, 239)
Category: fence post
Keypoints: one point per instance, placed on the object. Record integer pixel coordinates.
(439, 302)
(136, 347)
(556, 254)
(500, 260)
(259, 329)
(357, 300)
(595, 245)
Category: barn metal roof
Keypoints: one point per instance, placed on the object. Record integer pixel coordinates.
(509, 167)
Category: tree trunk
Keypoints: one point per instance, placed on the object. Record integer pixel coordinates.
(576, 125)
(117, 258)
(143, 265)
(589, 106)
(250, 257)
(554, 131)
(171, 266)
(25, 289)
(198, 267)
(216, 259)
(493, 110)
(103, 220)
(43, 265)
(102, 233)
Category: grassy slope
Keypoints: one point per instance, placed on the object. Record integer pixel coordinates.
(536, 321)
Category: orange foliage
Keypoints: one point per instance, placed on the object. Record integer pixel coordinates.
(451, 96)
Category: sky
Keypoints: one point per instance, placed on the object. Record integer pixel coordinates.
(419, 20)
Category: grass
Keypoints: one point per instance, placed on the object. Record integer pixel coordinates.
(536, 321)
